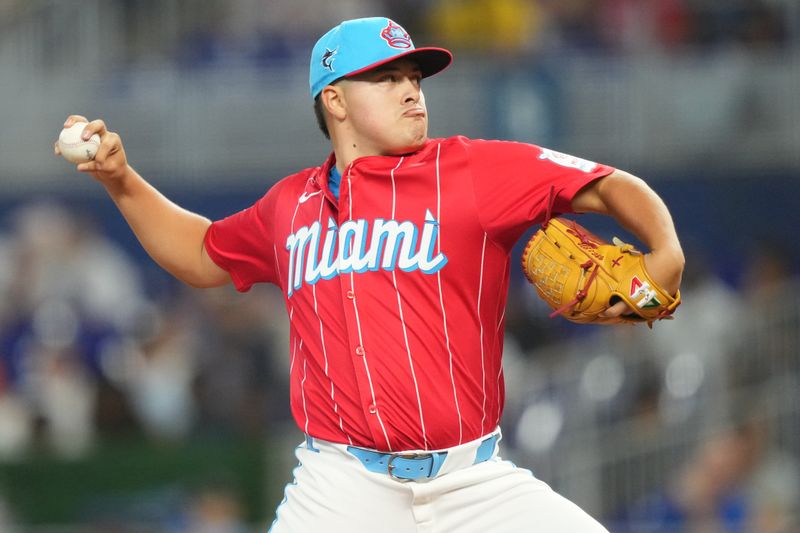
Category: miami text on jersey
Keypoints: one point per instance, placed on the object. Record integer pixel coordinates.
(353, 248)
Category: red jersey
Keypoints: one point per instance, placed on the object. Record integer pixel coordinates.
(396, 293)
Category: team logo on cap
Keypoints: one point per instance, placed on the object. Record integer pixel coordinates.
(327, 58)
(396, 36)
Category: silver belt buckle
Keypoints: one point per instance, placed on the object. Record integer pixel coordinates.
(390, 467)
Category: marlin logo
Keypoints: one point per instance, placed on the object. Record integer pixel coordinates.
(317, 253)
(328, 59)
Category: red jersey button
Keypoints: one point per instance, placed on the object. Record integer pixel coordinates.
(351, 294)
(372, 409)
(360, 351)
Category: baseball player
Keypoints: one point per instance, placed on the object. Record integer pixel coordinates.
(393, 257)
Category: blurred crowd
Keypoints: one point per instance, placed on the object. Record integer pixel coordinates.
(277, 31)
(95, 346)
(89, 346)
(273, 32)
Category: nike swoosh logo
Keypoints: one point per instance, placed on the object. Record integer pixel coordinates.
(305, 196)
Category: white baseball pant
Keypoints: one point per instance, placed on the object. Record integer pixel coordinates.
(333, 492)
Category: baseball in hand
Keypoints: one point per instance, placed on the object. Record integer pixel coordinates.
(73, 148)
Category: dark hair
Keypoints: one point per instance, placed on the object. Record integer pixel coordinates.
(319, 112)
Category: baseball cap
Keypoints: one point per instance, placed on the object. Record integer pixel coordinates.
(359, 45)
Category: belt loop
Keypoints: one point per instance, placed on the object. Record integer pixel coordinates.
(485, 450)
(438, 461)
(310, 444)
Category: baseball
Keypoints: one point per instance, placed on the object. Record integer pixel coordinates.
(73, 148)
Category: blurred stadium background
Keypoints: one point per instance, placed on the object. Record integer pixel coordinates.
(129, 403)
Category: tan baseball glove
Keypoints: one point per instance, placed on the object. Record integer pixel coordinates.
(579, 275)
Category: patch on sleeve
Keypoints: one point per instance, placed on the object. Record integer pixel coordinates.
(566, 160)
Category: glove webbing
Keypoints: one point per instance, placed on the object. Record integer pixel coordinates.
(581, 293)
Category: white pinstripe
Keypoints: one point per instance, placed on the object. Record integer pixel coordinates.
(300, 347)
(500, 322)
(358, 327)
(499, 380)
(500, 369)
(322, 338)
(480, 321)
(291, 230)
(402, 317)
(291, 308)
(303, 389)
(294, 348)
(441, 295)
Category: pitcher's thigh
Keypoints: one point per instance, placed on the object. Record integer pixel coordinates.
(502, 497)
(331, 497)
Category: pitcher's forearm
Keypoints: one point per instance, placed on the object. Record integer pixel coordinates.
(640, 210)
(171, 235)
(635, 206)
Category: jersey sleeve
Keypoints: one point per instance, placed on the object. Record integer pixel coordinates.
(512, 183)
(243, 244)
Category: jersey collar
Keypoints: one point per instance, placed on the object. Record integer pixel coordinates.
(321, 177)
(388, 161)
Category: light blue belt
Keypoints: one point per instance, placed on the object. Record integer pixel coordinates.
(412, 466)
